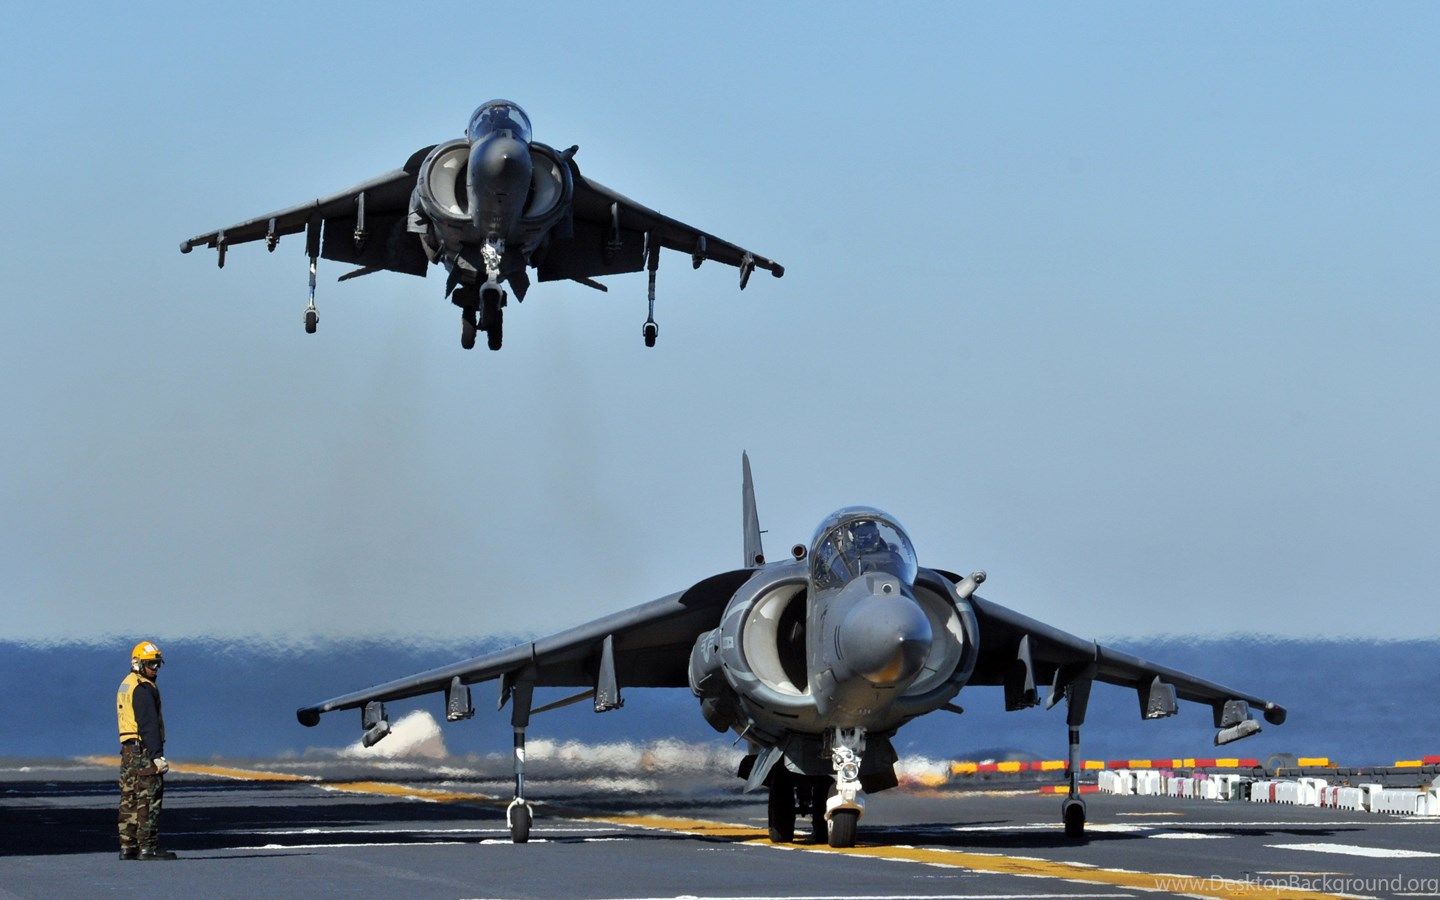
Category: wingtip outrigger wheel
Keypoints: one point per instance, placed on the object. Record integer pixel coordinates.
(518, 817)
(1072, 812)
(652, 262)
(518, 814)
(312, 250)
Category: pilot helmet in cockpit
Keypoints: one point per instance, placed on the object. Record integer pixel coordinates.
(866, 537)
(499, 117)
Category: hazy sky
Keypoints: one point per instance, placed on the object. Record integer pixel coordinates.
(1133, 306)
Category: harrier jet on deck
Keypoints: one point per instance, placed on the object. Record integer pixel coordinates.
(487, 207)
(815, 661)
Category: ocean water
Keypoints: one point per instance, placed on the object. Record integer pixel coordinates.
(1357, 702)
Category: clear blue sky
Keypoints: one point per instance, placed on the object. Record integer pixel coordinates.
(1133, 306)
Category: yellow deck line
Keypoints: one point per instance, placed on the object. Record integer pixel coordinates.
(992, 863)
(999, 864)
(698, 827)
(218, 771)
(387, 789)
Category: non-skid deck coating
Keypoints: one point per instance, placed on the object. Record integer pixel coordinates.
(283, 835)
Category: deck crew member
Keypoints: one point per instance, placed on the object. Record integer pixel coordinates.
(142, 756)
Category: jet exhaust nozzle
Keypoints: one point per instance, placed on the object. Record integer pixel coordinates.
(375, 733)
(1236, 732)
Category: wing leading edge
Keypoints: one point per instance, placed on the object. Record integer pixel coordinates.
(651, 645)
(606, 220)
(1021, 653)
(593, 201)
(364, 225)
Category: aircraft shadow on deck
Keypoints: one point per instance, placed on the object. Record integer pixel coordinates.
(43, 830)
(251, 817)
(255, 810)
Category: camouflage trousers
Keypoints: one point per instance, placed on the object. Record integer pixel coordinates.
(141, 792)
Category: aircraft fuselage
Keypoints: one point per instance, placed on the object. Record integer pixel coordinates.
(855, 637)
(484, 203)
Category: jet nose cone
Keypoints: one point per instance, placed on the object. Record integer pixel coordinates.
(885, 639)
(500, 161)
(499, 180)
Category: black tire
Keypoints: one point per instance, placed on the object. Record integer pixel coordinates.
(311, 321)
(1074, 816)
(842, 827)
(520, 824)
(467, 329)
(819, 790)
(492, 317)
(781, 808)
(495, 328)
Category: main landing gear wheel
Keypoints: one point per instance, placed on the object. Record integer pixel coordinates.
(520, 823)
(312, 320)
(495, 329)
(1073, 813)
(781, 808)
(467, 329)
(819, 789)
(651, 332)
(492, 317)
(842, 827)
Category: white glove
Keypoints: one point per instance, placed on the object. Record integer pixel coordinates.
(161, 766)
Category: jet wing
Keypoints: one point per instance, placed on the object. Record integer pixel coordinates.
(1051, 650)
(608, 231)
(385, 244)
(651, 643)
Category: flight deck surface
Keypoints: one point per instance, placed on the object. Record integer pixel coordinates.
(245, 831)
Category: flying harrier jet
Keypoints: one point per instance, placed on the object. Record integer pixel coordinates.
(487, 207)
(815, 661)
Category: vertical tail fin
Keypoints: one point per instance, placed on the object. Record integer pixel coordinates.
(754, 553)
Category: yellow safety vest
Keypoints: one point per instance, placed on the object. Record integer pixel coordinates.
(125, 707)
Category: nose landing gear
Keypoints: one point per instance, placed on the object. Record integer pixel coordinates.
(492, 314)
(843, 808)
(843, 823)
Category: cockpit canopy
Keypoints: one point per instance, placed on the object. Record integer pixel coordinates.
(499, 117)
(856, 540)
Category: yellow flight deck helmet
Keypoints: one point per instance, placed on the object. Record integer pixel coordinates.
(145, 652)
